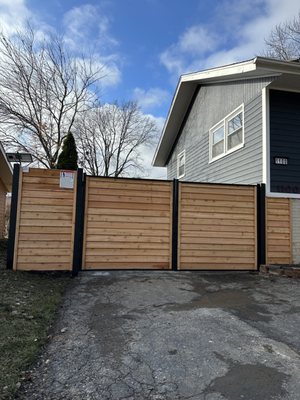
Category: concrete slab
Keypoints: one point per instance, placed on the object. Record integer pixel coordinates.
(173, 335)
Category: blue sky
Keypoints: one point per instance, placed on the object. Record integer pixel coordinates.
(145, 45)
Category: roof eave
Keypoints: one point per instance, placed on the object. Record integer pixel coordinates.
(193, 80)
(258, 66)
(6, 170)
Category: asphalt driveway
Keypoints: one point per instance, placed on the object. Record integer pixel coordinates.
(173, 335)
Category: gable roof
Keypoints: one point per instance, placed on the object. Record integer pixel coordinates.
(5, 170)
(257, 67)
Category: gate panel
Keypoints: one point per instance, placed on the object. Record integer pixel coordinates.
(217, 227)
(127, 224)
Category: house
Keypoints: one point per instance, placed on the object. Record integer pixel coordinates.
(239, 123)
(5, 187)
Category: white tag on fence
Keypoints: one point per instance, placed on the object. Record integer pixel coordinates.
(66, 179)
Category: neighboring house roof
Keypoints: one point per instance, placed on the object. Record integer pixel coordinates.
(5, 170)
(284, 71)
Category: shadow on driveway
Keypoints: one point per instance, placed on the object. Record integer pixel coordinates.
(173, 335)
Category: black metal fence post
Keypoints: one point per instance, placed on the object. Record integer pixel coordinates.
(175, 225)
(79, 222)
(13, 217)
(261, 224)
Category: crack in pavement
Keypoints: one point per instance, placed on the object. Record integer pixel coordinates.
(188, 336)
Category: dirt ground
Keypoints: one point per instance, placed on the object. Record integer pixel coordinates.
(173, 335)
(28, 306)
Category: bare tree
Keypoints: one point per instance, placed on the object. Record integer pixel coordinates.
(42, 91)
(111, 138)
(284, 40)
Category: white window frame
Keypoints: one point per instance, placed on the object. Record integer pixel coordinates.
(178, 158)
(211, 141)
(224, 122)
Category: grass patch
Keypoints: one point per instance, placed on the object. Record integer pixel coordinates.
(28, 305)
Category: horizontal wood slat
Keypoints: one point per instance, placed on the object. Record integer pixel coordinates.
(127, 224)
(217, 227)
(278, 231)
(128, 184)
(152, 193)
(46, 222)
(126, 265)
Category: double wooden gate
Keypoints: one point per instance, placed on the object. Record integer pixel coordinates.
(129, 224)
(106, 223)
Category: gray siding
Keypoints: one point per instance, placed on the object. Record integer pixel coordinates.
(285, 140)
(212, 104)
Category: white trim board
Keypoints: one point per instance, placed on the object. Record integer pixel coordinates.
(283, 195)
(266, 138)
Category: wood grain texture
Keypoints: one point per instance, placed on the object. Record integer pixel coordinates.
(45, 223)
(278, 231)
(217, 227)
(127, 224)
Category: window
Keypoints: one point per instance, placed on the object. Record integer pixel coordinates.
(227, 135)
(218, 141)
(235, 131)
(181, 164)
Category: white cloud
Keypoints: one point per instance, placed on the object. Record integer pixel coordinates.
(85, 24)
(13, 15)
(174, 61)
(159, 121)
(110, 72)
(152, 98)
(237, 32)
(147, 153)
(87, 27)
(196, 41)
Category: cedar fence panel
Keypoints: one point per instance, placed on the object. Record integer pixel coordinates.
(127, 224)
(136, 224)
(45, 222)
(278, 231)
(217, 227)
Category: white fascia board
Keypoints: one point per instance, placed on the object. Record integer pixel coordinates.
(166, 123)
(265, 132)
(179, 106)
(220, 72)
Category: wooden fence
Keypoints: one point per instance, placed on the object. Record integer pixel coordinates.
(44, 223)
(107, 223)
(127, 224)
(218, 227)
(279, 230)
